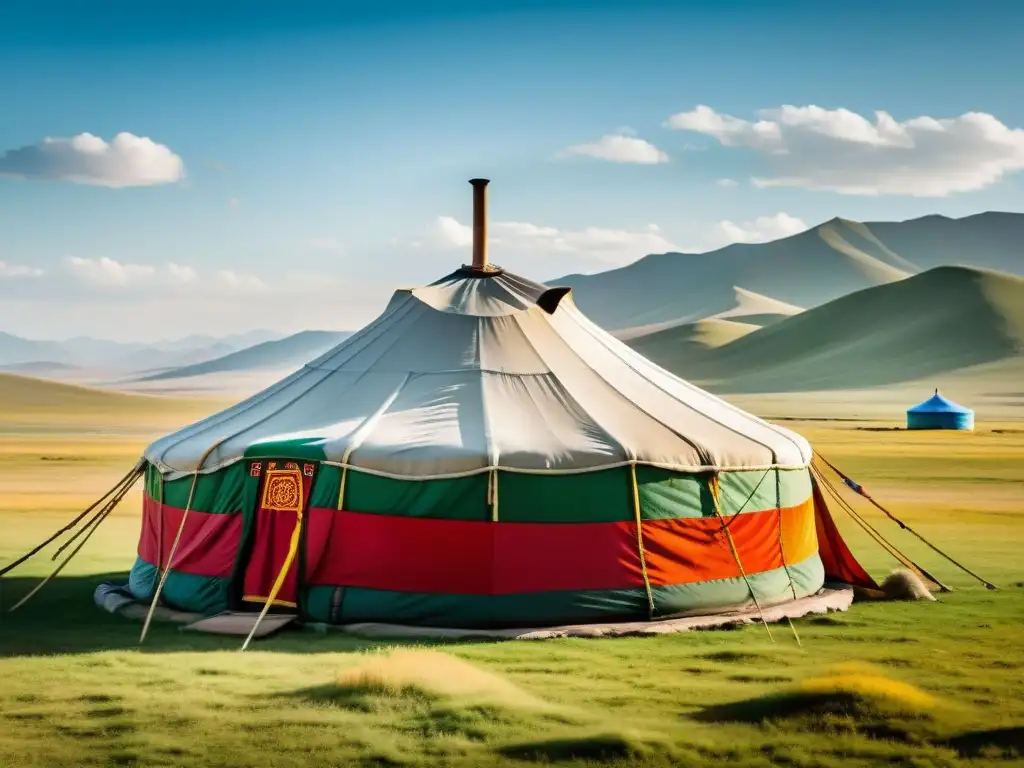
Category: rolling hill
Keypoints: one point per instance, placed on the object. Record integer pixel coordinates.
(289, 352)
(685, 341)
(32, 401)
(750, 310)
(940, 321)
(808, 269)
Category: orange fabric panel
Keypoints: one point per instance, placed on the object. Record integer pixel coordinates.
(799, 537)
(691, 549)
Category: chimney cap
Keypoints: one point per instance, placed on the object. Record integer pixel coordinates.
(480, 182)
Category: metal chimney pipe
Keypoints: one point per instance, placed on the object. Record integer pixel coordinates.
(479, 223)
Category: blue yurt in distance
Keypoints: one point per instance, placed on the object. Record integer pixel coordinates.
(939, 413)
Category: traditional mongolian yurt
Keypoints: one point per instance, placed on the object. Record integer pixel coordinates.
(939, 413)
(482, 454)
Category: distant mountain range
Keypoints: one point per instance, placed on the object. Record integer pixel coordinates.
(805, 270)
(290, 352)
(84, 352)
(944, 320)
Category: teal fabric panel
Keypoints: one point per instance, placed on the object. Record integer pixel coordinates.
(524, 610)
(666, 494)
(587, 497)
(458, 498)
(218, 492)
(760, 490)
(199, 594)
(326, 486)
(142, 579)
(297, 449)
(183, 591)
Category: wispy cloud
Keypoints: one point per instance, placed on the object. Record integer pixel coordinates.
(18, 270)
(761, 230)
(604, 246)
(619, 148)
(113, 275)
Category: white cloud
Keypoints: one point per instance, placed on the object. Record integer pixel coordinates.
(126, 161)
(109, 272)
(18, 270)
(112, 275)
(238, 283)
(841, 151)
(761, 230)
(610, 247)
(620, 148)
(727, 183)
(452, 232)
(234, 203)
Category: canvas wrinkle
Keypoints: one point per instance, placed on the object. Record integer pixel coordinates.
(485, 418)
(429, 342)
(259, 398)
(407, 315)
(596, 334)
(588, 422)
(629, 450)
(369, 423)
(228, 414)
(623, 448)
(534, 427)
(305, 371)
(628, 351)
(289, 403)
(217, 445)
(430, 429)
(505, 347)
(709, 396)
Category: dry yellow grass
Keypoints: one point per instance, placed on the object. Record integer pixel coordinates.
(432, 673)
(892, 692)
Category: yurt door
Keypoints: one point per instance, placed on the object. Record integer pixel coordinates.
(273, 566)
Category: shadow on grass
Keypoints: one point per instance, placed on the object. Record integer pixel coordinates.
(62, 618)
(833, 711)
(1006, 743)
(597, 747)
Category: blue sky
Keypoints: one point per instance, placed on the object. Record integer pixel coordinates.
(308, 154)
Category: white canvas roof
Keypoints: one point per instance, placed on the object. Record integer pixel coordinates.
(479, 372)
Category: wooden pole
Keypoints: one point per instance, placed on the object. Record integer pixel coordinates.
(479, 224)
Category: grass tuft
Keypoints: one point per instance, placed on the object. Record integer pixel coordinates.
(431, 675)
(869, 704)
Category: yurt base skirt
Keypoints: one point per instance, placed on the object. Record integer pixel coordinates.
(351, 605)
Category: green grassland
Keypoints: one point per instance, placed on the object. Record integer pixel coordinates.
(922, 684)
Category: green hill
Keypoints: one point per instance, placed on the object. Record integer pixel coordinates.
(938, 322)
(688, 340)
